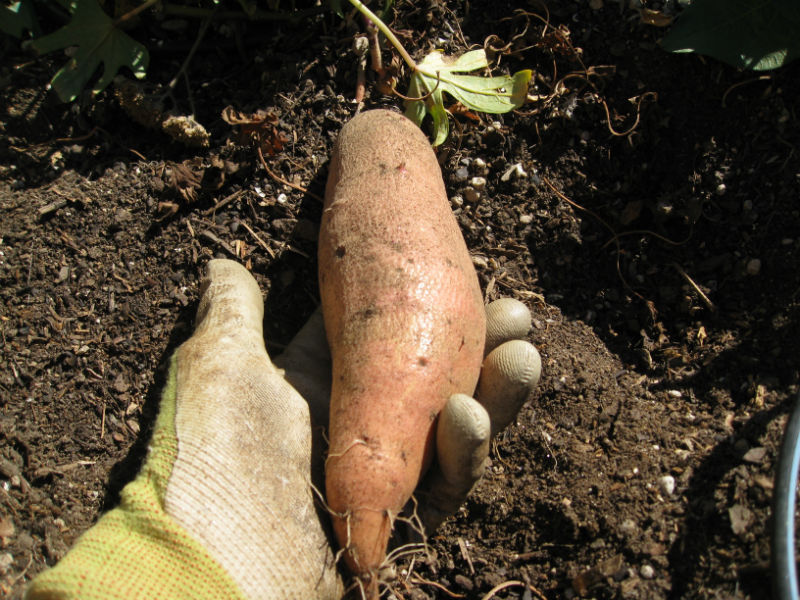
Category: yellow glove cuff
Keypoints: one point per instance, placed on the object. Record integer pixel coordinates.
(136, 551)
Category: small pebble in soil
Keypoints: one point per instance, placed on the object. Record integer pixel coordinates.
(121, 216)
(514, 171)
(6, 560)
(480, 261)
(479, 165)
(755, 455)
(741, 518)
(753, 266)
(471, 194)
(664, 208)
(667, 485)
(465, 583)
(478, 183)
(461, 174)
(647, 572)
(525, 219)
(628, 528)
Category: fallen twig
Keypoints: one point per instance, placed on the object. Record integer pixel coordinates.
(213, 238)
(261, 242)
(226, 200)
(419, 580)
(465, 553)
(509, 584)
(706, 300)
(294, 186)
(52, 207)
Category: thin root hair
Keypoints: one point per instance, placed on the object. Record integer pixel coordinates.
(352, 445)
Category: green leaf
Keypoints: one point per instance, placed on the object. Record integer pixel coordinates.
(98, 41)
(18, 18)
(336, 7)
(438, 73)
(750, 34)
(387, 6)
(469, 61)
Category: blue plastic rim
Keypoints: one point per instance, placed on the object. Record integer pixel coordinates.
(784, 569)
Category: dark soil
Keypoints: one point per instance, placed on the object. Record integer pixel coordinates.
(661, 267)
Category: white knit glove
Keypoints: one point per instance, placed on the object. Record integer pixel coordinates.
(248, 456)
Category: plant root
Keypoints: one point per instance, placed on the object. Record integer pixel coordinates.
(513, 583)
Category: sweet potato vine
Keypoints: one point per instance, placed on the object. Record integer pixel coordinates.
(438, 73)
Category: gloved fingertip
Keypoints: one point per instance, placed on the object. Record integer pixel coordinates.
(506, 319)
(510, 373)
(462, 441)
(230, 300)
(463, 416)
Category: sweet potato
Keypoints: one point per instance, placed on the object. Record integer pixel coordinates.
(404, 319)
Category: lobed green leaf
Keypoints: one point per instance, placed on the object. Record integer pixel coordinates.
(18, 18)
(98, 41)
(438, 74)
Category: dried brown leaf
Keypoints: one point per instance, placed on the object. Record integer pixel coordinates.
(259, 128)
(185, 178)
(655, 18)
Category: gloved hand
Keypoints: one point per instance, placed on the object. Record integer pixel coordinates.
(224, 506)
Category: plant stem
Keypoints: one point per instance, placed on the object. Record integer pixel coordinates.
(385, 31)
(132, 13)
(258, 15)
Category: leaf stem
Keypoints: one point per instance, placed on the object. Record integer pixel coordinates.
(258, 15)
(360, 7)
(132, 13)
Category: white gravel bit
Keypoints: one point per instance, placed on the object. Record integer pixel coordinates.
(516, 171)
(628, 527)
(667, 485)
(471, 194)
(6, 560)
(479, 183)
(479, 165)
(647, 572)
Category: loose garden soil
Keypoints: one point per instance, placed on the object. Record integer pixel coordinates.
(646, 208)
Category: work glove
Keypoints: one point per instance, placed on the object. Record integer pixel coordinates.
(227, 504)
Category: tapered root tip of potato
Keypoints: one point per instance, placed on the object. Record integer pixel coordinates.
(366, 532)
(506, 319)
(510, 373)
